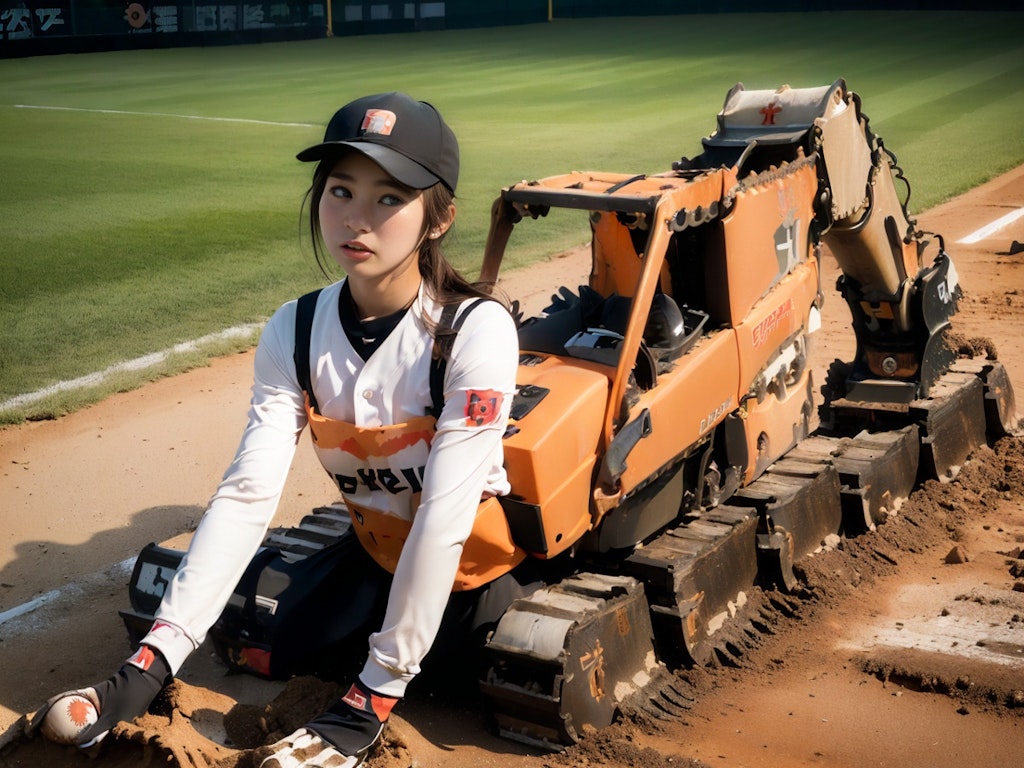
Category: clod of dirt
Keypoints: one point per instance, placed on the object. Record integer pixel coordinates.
(975, 346)
(957, 556)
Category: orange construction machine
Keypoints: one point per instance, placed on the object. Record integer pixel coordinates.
(666, 452)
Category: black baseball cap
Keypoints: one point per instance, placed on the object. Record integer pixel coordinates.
(407, 138)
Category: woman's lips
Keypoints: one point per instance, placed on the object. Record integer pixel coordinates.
(356, 250)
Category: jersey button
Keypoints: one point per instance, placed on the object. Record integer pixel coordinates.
(367, 394)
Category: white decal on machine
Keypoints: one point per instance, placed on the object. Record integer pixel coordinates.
(712, 418)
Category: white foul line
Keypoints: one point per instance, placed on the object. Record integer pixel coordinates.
(125, 566)
(995, 226)
(167, 114)
(138, 363)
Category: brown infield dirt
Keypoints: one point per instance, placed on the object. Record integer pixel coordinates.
(902, 647)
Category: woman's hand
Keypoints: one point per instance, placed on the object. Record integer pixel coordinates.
(122, 697)
(342, 736)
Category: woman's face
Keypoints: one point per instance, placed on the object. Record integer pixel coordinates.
(371, 224)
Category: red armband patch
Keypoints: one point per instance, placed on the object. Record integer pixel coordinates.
(482, 406)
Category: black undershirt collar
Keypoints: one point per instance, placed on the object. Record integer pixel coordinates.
(365, 336)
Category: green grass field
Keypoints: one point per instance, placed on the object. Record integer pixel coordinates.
(129, 227)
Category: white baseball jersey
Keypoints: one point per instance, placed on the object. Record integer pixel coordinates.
(442, 486)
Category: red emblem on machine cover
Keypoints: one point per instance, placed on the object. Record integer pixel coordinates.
(770, 112)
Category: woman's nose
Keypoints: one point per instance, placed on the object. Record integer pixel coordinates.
(356, 216)
(357, 221)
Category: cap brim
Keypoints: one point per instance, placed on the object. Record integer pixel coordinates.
(404, 170)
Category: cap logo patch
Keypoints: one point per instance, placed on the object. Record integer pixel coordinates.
(379, 121)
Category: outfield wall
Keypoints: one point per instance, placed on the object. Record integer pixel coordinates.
(32, 27)
(35, 27)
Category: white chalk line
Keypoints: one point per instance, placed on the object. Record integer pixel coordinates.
(139, 363)
(67, 591)
(991, 229)
(167, 114)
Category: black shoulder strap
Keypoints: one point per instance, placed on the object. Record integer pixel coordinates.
(443, 343)
(304, 309)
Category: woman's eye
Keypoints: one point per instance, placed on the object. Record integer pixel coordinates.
(338, 190)
(392, 200)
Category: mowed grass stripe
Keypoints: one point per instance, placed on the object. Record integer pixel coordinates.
(123, 234)
(105, 213)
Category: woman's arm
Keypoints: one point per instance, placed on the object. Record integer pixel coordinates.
(244, 503)
(464, 462)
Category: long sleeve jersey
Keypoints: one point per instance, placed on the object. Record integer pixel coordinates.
(438, 483)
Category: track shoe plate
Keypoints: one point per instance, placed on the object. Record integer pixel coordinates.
(696, 575)
(952, 422)
(877, 472)
(801, 496)
(564, 658)
(1000, 404)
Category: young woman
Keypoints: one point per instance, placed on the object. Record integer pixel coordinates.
(380, 205)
